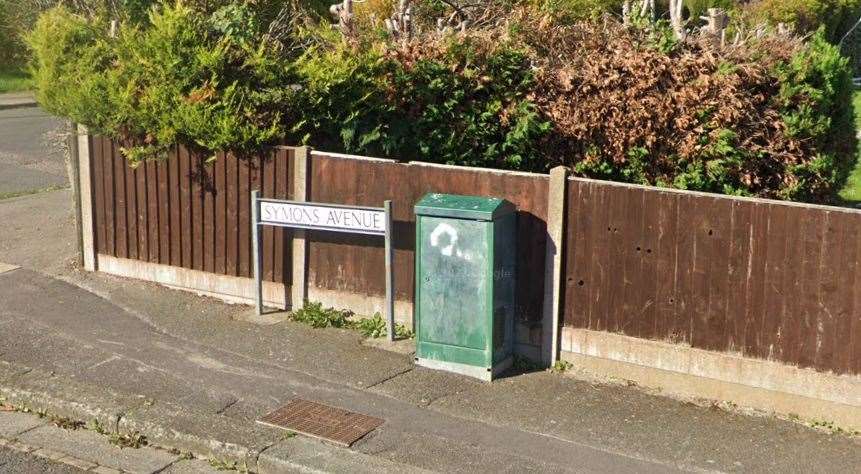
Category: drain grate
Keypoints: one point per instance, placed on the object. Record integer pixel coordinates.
(322, 421)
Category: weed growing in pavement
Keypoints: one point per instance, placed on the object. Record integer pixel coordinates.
(832, 428)
(315, 315)
(65, 422)
(183, 455)
(561, 366)
(228, 465)
(96, 425)
(523, 364)
(132, 440)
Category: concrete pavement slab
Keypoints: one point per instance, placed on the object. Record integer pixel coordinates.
(302, 454)
(28, 160)
(191, 466)
(17, 99)
(7, 267)
(84, 444)
(13, 423)
(13, 461)
(38, 231)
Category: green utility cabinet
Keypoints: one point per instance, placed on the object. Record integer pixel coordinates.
(465, 284)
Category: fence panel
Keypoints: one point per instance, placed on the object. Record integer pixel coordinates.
(355, 264)
(761, 278)
(188, 213)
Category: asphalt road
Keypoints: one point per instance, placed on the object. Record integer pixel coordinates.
(15, 461)
(27, 162)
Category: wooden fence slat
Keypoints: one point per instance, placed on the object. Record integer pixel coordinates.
(755, 302)
(186, 230)
(221, 229)
(177, 205)
(152, 211)
(801, 277)
(631, 250)
(828, 298)
(599, 235)
(163, 199)
(720, 234)
(244, 220)
(701, 229)
(665, 266)
(739, 264)
(231, 259)
(197, 224)
(685, 296)
(774, 266)
(207, 171)
(280, 168)
(121, 203)
(268, 190)
(142, 212)
(98, 160)
(131, 209)
(854, 357)
(646, 310)
(575, 284)
(848, 290)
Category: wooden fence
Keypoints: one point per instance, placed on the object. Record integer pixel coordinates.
(370, 182)
(766, 279)
(185, 213)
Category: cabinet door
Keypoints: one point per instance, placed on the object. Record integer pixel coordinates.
(453, 299)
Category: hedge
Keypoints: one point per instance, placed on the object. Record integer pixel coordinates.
(525, 90)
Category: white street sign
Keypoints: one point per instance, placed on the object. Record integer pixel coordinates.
(324, 217)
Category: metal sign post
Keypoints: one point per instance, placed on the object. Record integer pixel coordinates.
(326, 217)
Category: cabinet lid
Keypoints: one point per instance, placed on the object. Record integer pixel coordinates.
(463, 207)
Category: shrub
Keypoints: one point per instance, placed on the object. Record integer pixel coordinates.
(70, 57)
(835, 16)
(213, 82)
(458, 102)
(770, 117)
(466, 102)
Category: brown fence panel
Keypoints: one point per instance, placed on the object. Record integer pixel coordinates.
(355, 264)
(762, 278)
(188, 213)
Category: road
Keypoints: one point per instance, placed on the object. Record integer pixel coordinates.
(14, 461)
(28, 161)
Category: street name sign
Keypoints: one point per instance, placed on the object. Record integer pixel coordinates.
(324, 217)
(361, 220)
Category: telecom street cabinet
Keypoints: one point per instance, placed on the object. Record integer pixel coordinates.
(465, 284)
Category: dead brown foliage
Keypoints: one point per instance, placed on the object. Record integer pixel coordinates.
(609, 89)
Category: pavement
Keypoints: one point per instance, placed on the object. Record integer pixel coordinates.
(28, 161)
(17, 100)
(12, 460)
(193, 373)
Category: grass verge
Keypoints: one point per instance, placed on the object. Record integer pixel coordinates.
(14, 194)
(851, 192)
(14, 81)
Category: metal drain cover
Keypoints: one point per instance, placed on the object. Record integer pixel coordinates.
(322, 421)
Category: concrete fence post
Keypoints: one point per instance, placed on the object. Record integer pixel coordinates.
(299, 282)
(83, 158)
(553, 264)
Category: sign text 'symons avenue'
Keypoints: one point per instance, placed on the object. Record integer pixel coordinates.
(323, 217)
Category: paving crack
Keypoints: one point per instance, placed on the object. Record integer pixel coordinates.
(393, 376)
(226, 407)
